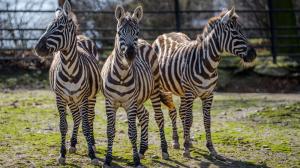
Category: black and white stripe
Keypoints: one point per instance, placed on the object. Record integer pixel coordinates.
(74, 77)
(130, 76)
(188, 68)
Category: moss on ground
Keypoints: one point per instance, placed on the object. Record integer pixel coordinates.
(287, 115)
(250, 131)
(24, 79)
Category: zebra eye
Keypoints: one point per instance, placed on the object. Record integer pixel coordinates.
(60, 27)
(235, 33)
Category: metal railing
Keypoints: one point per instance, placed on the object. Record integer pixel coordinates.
(270, 30)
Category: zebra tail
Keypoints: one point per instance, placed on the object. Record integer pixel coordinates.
(166, 99)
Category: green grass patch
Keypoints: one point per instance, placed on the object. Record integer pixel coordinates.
(29, 133)
(287, 115)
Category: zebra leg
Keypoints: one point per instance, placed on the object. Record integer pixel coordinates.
(186, 111)
(110, 131)
(143, 116)
(91, 116)
(190, 123)
(76, 120)
(175, 137)
(159, 118)
(166, 98)
(182, 111)
(87, 131)
(206, 105)
(132, 133)
(63, 126)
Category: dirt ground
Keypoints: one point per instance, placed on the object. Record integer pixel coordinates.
(249, 130)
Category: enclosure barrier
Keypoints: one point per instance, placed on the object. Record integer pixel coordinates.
(271, 30)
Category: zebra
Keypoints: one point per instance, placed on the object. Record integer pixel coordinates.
(130, 76)
(74, 77)
(188, 68)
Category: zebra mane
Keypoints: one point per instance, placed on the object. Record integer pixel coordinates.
(211, 24)
(127, 14)
(59, 13)
(82, 37)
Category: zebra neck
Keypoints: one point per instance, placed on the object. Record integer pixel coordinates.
(211, 49)
(70, 60)
(118, 69)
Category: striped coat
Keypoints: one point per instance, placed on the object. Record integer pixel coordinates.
(188, 68)
(130, 76)
(74, 77)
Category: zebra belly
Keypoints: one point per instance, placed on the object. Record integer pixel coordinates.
(177, 91)
(170, 83)
(119, 95)
(70, 91)
(179, 86)
(202, 89)
(204, 92)
(144, 78)
(139, 91)
(145, 89)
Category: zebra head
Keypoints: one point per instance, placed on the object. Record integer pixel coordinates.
(232, 38)
(127, 32)
(59, 34)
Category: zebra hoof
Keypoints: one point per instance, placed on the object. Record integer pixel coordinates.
(94, 148)
(165, 156)
(105, 166)
(140, 166)
(61, 160)
(218, 157)
(176, 145)
(141, 156)
(191, 144)
(186, 154)
(72, 149)
(95, 162)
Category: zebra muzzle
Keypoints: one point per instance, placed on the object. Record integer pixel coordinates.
(251, 55)
(130, 53)
(41, 48)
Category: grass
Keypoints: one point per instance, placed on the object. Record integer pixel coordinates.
(283, 115)
(250, 130)
(25, 79)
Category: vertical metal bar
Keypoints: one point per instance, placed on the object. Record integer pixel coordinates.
(177, 15)
(273, 33)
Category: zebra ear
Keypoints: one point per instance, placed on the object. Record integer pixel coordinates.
(67, 7)
(224, 10)
(229, 15)
(57, 12)
(119, 12)
(138, 13)
(232, 11)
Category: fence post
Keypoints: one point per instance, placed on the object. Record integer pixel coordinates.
(177, 15)
(273, 33)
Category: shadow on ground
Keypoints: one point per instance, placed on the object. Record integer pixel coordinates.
(205, 160)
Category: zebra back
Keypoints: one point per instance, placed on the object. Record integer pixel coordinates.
(88, 45)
